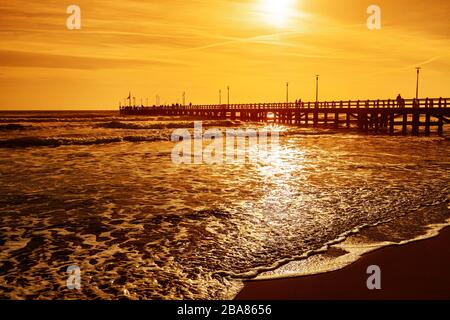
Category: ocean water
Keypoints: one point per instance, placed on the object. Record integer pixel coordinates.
(98, 191)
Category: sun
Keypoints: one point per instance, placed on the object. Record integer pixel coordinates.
(278, 13)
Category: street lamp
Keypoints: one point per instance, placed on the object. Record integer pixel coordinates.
(317, 88)
(287, 92)
(417, 82)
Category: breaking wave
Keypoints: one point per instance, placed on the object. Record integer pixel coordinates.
(14, 126)
(170, 125)
(25, 142)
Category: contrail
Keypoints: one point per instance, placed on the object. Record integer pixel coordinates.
(256, 39)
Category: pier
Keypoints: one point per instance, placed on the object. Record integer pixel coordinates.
(410, 116)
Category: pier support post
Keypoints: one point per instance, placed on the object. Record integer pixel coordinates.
(362, 119)
(391, 122)
(375, 121)
(427, 123)
(404, 123)
(440, 124)
(366, 121)
(415, 122)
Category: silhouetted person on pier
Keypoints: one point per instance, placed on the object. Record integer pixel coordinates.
(400, 101)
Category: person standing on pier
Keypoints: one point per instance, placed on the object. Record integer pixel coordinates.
(400, 101)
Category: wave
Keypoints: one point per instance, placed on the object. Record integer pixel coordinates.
(13, 126)
(66, 119)
(346, 252)
(170, 125)
(43, 120)
(25, 142)
(423, 223)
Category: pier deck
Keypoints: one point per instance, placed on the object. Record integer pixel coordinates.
(413, 116)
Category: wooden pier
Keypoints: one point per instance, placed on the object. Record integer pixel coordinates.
(415, 116)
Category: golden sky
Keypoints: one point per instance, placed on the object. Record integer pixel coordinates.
(200, 46)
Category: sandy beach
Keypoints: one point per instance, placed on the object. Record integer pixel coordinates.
(417, 270)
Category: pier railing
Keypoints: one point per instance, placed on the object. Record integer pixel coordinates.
(349, 104)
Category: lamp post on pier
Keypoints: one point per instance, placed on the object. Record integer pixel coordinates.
(317, 88)
(287, 93)
(417, 82)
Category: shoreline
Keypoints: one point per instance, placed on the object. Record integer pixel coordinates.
(417, 270)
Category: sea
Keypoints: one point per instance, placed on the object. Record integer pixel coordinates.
(100, 192)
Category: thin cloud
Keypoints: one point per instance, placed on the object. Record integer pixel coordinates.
(44, 60)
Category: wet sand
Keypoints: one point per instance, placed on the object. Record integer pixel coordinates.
(417, 270)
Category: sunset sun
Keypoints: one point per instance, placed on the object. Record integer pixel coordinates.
(277, 13)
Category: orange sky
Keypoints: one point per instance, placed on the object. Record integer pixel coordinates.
(200, 46)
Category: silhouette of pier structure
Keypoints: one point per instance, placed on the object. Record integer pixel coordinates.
(415, 116)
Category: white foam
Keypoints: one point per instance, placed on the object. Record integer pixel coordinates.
(354, 251)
